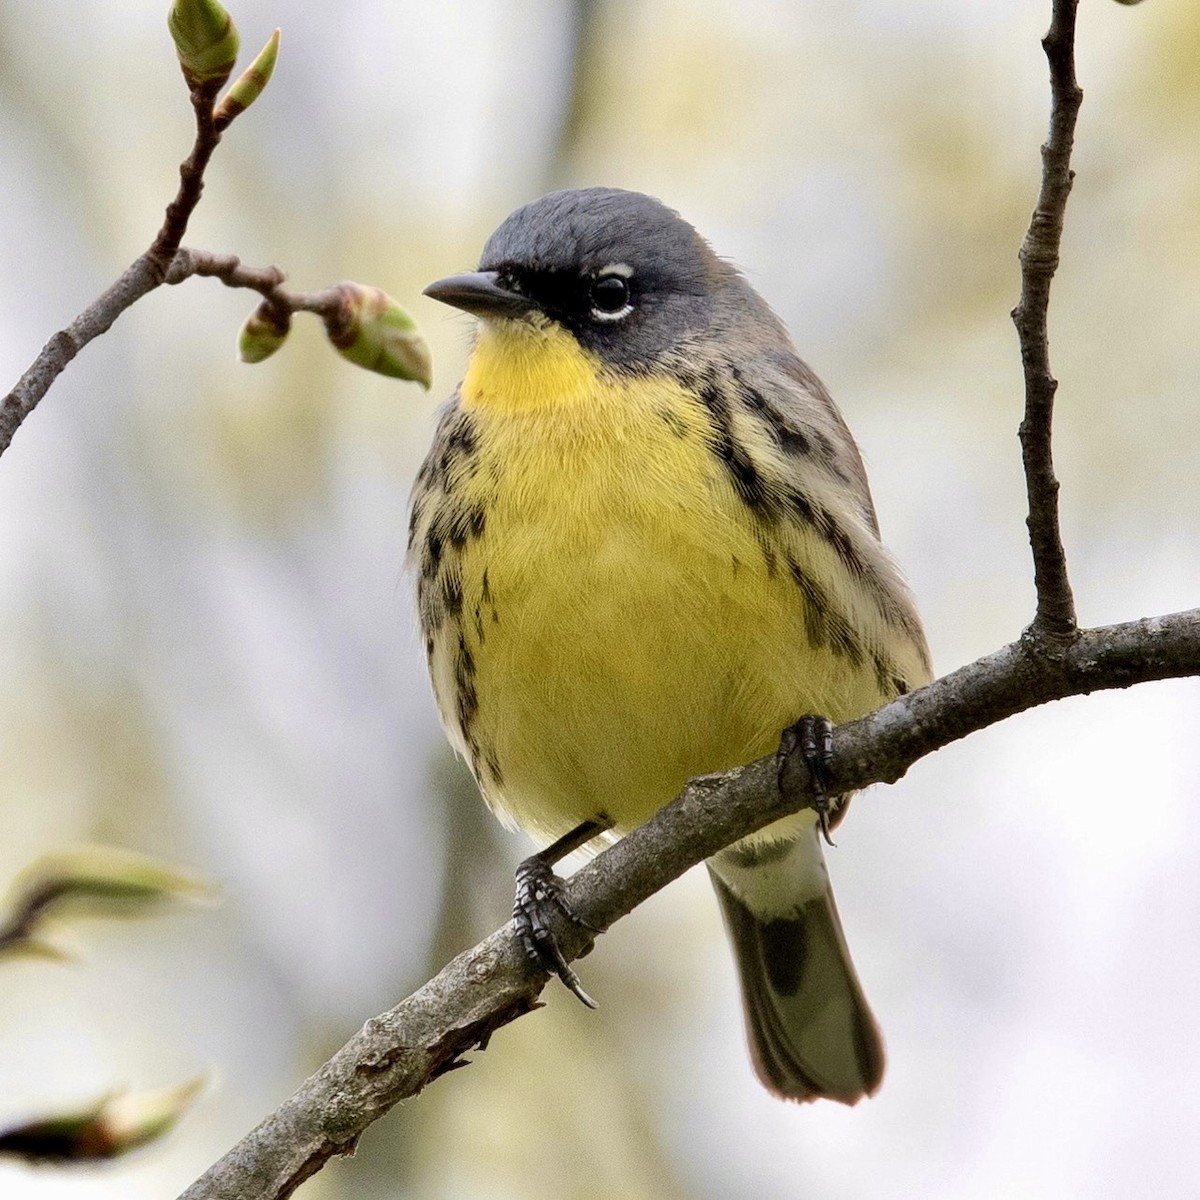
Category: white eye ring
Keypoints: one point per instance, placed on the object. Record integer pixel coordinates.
(620, 272)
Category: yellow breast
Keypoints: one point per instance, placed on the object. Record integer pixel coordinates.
(617, 618)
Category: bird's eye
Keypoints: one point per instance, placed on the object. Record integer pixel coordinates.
(609, 297)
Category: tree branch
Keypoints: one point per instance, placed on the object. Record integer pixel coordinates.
(397, 1054)
(1055, 618)
(364, 324)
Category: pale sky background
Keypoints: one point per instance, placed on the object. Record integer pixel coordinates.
(207, 631)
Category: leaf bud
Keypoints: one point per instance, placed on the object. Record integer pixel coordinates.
(206, 40)
(249, 84)
(265, 330)
(92, 880)
(373, 331)
(106, 1128)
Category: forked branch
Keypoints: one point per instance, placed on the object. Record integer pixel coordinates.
(143, 275)
(364, 324)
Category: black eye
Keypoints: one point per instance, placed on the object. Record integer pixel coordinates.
(609, 295)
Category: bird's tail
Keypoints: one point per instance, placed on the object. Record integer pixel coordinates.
(811, 1033)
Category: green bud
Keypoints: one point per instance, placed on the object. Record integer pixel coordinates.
(133, 1120)
(249, 85)
(374, 332)
(106, 873)
(206, 40)
(110, 1126)
(263, 333)
(62, 1137)
(94, 880)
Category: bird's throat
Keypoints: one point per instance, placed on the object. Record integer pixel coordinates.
(523, 364)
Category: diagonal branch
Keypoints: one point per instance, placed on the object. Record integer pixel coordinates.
(1055, 617)
(397, 1054)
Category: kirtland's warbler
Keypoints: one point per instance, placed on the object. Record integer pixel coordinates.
(645, 546)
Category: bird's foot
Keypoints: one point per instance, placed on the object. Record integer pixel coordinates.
(811, 739)
(539, 890)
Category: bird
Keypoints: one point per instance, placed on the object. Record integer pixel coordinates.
(645, 548)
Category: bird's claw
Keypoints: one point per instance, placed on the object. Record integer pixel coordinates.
(538, 890)
(812, 738)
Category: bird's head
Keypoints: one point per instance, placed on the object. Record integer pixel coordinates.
(626, 277)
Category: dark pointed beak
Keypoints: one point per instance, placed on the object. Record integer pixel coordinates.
(481, 294)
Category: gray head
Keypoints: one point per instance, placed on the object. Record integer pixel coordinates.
(622, 272)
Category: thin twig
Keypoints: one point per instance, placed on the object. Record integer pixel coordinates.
(397, 1054)
(331, 304)
(1055, 619)
(191, 179)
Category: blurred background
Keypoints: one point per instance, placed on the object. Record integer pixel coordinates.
(207, 634)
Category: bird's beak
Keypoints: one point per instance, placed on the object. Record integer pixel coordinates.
(480, 293)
